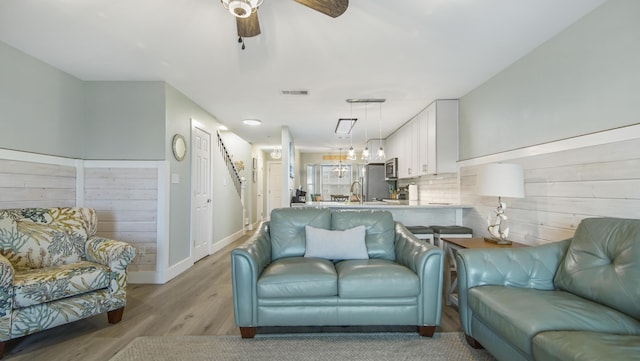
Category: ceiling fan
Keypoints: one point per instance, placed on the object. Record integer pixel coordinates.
(246, 13)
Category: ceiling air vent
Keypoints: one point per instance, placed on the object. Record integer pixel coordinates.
(295, 92)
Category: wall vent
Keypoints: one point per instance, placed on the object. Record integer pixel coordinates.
(295, 92)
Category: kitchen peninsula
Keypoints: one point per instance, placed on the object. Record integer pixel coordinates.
(410, 213)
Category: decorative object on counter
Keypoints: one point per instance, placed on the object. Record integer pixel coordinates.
(276, 153)
(502, 180)
(339, 198)
(413, 192)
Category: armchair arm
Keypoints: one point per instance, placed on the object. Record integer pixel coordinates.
(114, 254)
(247, 263)
(6, 297)
(525, 267)
(427, 262)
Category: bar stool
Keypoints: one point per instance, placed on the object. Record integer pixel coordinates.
(440, 232)
(422, 232)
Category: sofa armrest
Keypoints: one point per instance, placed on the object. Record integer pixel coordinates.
(427, 262)
(523, 267)
(114, 254)
(247, 263)
(6, 297)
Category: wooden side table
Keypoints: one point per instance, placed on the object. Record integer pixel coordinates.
(451, 247)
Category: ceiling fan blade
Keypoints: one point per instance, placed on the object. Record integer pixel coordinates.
(333, 8)
(248, 27)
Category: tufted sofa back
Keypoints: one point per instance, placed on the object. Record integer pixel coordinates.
(33, 238)
(603, 263)
(288, 237)
(379, 225)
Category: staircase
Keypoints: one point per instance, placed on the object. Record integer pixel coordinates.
(233, 171)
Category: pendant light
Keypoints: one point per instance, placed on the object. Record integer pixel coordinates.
(365, 152)
(380, 155)
(340, 168)
(351, 153)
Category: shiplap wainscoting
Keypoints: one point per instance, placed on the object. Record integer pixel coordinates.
(126, 202)
(562, 188)
(129, 198)
(26, 184)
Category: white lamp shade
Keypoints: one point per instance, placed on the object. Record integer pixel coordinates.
(502, 180)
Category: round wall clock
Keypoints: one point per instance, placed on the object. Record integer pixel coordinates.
(179, 147)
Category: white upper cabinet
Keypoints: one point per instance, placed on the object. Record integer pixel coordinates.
(441, 138)
(428, 143)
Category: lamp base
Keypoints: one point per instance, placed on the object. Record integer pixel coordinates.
(497, 240)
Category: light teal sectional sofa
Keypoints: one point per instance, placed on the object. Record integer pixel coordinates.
(577, 299)
(397, 282)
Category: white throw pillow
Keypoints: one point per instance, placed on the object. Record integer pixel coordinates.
(336, 245)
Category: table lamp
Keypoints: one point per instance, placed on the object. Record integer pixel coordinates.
(501, 180)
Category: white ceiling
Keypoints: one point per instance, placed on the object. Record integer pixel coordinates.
(409, 52)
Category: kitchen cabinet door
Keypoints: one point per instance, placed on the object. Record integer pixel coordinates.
(438, 150)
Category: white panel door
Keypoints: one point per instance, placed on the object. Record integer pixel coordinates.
(260, 190)
(201, 177)
(274, 181)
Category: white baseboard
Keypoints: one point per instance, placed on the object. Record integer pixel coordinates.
(226, 241)
(143, 277)
(177, 269)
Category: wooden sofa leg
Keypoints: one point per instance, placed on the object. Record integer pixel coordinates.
(115, 316)
(1, 350)
(247, 332)
(473, 342)
(426, 331)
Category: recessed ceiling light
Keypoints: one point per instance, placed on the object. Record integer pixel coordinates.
(252, 122)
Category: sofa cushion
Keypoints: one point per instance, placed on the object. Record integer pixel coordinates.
(45, 237)
(287, 231)
(602, 263)
(35, 286)
(298, 277)
(518, 314)
(585, 346)
(375, 278)
(336, 245)
(380, 228)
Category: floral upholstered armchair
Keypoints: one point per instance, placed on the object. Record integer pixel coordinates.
(54, 270)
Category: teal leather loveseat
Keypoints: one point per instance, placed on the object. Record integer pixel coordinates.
(397, 281)
(577, 299)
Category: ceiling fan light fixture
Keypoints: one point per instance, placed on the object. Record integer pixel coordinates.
(241, 8)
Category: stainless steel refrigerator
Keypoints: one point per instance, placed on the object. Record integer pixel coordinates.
(374, 185)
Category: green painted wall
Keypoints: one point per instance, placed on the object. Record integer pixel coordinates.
(583, 80)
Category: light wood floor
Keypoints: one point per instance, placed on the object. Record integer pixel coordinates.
(197, 302)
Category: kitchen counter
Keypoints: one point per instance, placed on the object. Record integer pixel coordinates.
(391, 203)
(410, 213)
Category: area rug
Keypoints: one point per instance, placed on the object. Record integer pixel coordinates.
(295, 347)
